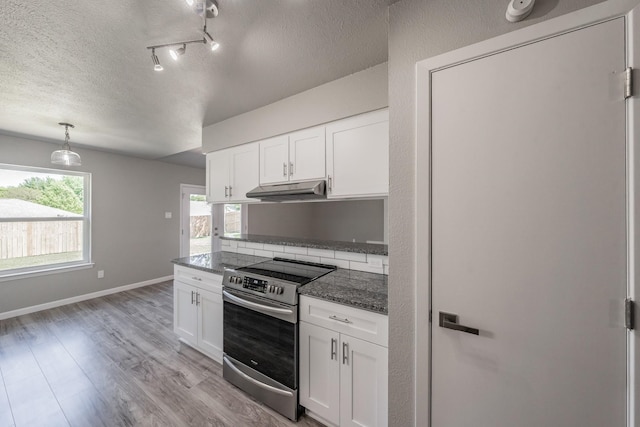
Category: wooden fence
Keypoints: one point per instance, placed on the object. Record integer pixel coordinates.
(21, 239)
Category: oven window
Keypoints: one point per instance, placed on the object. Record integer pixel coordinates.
(262, 342)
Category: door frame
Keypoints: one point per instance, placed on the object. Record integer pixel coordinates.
(601, 12)
(184, 224)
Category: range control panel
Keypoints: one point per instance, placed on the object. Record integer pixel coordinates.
(256, 285)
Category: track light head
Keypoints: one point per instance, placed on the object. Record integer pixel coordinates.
(156, 61)
(214, 45)
(190, 2)
(177, 53)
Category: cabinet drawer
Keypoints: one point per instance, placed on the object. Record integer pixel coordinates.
(199, 278)
(372, 327)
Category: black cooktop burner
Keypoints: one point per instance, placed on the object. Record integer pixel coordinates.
(299, 272)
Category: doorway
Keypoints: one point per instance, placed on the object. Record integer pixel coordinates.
(196, 221)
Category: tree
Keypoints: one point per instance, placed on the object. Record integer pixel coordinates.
(66, 194)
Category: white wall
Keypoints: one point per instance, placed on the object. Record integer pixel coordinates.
(358, 93)
(131, 240)
(418, 30)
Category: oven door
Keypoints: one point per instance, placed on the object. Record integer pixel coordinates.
(263, 335)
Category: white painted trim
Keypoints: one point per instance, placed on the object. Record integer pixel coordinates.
(44, 271)
(79, 298)
(601, 12)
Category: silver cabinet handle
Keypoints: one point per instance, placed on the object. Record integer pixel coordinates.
(230, 192)
(334, 348)
(197, 298)
(345, 353)
(254, 381)
(225, 191)
(197, 278)
(192, 297)
(291, 168)
(334, 317)
(284, 169)
(450, 321)
(330, 182)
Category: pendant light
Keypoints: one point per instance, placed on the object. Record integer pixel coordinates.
(65, 156)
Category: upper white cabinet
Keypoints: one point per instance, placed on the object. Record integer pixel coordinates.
(299, 156)
(358, 156)
(231, 173)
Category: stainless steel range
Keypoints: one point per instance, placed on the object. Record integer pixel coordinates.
(261, 329)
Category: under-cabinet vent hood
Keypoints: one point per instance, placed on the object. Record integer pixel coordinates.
(293, 191)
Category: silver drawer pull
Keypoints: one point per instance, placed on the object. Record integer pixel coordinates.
(334, 317)
(197, 278)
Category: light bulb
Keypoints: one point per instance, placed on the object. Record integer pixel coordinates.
(214, 45)
(190, 2)
(158, 67)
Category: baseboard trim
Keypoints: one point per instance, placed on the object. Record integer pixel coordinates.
(79, 298)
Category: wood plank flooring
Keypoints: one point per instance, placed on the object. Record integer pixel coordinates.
(115, 361)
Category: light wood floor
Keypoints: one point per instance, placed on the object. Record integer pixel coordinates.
(115, 361)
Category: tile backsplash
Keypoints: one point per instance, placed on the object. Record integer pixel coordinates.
(351, 260)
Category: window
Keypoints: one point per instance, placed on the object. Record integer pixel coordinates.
(232, 220)
(44, 219)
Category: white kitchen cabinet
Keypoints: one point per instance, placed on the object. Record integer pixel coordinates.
(231, 173)
(358, 156)
(343, 379)
(299, 156)
(197, 310)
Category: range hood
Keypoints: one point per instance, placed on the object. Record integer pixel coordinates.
(311, 190)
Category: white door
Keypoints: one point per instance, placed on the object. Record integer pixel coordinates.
(307, 154)
(274, 160)
(195, 221)
(185, 313)
(218, 176)
(320, 371)
(528, 235)
(364, 383)
(210, 322)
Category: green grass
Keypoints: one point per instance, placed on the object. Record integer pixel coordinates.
(34, 261)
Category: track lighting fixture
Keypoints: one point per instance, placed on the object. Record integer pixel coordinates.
(156, 61)
(177, 53)
(65, 156)
(205, 8)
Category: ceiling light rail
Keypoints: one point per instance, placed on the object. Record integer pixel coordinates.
(208, 9)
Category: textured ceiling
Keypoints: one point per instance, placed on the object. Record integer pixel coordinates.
(86, 63)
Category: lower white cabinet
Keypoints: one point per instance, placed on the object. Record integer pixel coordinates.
(343, 379)
(197, 310)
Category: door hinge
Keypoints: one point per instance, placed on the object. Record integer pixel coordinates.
(430, 316)
(628, 83)
(629, 314)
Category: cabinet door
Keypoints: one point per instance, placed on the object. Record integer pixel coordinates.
(358, 156)
(307, 154)
(244, 167)
(210, 323)
(320, 371)
(363, 383)
(274, 160)
(217, 176)
(185, 312)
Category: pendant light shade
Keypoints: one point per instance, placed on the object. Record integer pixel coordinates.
(65, 156)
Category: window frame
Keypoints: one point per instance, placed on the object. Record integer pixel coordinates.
(86, 261)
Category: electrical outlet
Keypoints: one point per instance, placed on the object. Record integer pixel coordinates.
(167, 215)
(100, 274)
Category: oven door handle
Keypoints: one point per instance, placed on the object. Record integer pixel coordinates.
(249, 304)
(256, 382)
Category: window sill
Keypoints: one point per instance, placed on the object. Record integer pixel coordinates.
(44, 271)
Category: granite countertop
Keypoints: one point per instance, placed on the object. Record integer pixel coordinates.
(216, 262)
(367, 291)
(363, 248)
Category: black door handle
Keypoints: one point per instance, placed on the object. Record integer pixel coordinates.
(450, 321)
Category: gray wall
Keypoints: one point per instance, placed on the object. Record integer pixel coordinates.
(344, 220)
(131, 240)
(358, 93)
(420, 29)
